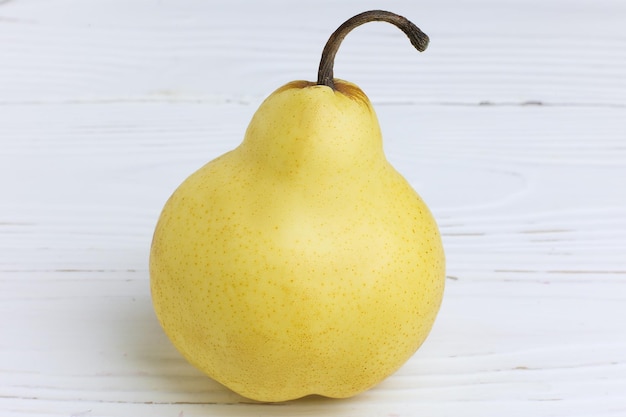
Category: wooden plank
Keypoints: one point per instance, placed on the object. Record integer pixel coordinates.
(518, 52)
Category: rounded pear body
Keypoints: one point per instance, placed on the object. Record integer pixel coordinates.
(301, 262)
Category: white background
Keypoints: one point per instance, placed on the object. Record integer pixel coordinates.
(512, 127)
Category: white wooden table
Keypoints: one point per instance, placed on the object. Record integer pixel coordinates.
(512, 126)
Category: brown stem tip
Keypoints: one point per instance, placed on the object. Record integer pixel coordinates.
(325, 73)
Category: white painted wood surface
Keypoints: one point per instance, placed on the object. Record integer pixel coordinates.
(512, 126)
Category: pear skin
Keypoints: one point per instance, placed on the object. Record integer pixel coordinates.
(301, 262)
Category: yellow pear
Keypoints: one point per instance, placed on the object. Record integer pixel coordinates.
(300, 262)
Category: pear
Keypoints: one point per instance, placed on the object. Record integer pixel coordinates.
(301, 262)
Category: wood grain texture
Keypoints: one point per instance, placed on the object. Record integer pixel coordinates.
(512, 126)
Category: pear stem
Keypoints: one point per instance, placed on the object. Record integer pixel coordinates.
(325, 73)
